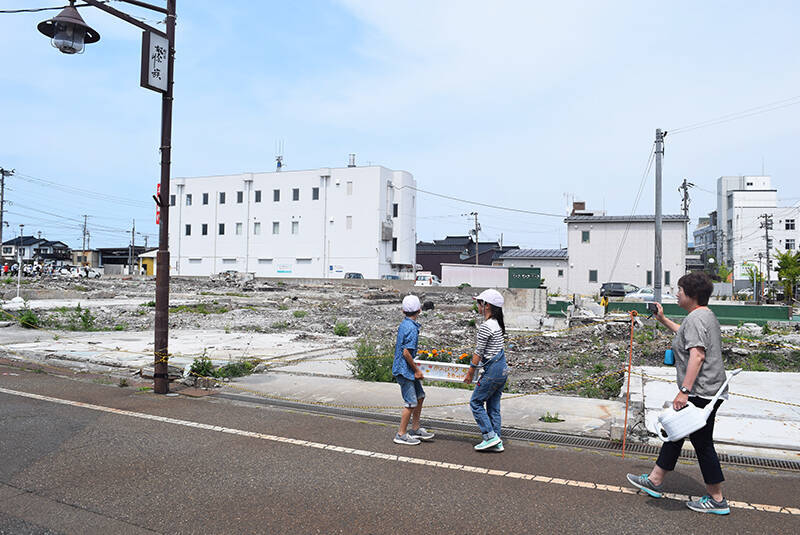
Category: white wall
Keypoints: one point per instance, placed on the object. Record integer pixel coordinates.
(636, 256)
(478, 276)
(550, 269)
(339, 232)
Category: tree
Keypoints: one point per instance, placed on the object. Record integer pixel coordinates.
(788, 272)
(723, 272)
(755, 276)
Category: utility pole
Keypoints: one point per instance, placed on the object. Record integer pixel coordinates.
(18, 299)
(132, 248)
(3, 174)
(767, 226)
(758, 283)
(685, 199)
(477, 228)
(657, 261)
(85, 217)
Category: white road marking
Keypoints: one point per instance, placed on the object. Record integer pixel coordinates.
(389, 457)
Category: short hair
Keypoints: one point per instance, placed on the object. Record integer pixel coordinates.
(698, 286)
(409, 314)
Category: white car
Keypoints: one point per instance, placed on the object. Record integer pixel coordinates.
(646, 294)
(427, 279)
(88, 273)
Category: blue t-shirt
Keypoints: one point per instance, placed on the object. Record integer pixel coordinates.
(407, 336)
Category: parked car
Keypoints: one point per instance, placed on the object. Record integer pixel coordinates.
(353, 275)
(390, 277)
(88, 273)
(617, 289)
(427, 279)
(646, 294)
(745, 293)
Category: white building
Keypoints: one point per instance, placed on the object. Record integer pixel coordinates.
(743, 201)
(318, 223)
(553, 265)
(622, 249)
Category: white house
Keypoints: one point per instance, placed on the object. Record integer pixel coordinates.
(318, 223)
(622, 249)
(553, 263)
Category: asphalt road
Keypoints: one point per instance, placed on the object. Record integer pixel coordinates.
(225, 467)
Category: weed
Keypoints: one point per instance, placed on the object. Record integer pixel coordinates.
(235, 369)
(144, 389)
(464, 285)
(80, 288)
(148, 304)
(475, 307)
(202, 367)
(372, 363)
(341, 329)
(550, 418)
(120, 326)
(56, 337)
(122, 382)
(471, 322)
(283, 307)
(299, 313)
(227, 329)
(141, 311)
(8, 280)
(28, 319)
(199, 308)
(280, 325)
(765, 329)
(236, 294)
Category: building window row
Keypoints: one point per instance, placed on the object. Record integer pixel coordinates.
(276, 196)
(239, 228)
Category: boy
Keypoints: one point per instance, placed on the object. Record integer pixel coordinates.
(408, 375)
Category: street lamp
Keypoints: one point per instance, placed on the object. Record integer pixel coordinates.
(69, 33)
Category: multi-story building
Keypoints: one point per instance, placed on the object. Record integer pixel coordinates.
(622, 249)
(319, 223)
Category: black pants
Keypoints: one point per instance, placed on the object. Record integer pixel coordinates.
(703, 442)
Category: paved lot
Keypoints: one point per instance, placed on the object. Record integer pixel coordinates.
(92, 458)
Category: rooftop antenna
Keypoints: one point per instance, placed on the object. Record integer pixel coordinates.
(279, 155)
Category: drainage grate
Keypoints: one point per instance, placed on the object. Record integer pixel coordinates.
(539, 437)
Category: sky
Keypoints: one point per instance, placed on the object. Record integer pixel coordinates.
(525, 105)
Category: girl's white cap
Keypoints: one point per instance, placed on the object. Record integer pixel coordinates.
(493, 297)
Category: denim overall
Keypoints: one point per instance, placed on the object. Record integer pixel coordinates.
(487, 392)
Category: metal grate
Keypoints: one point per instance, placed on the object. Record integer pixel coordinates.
(539, 437)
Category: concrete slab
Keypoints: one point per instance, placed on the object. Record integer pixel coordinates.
(740, 420)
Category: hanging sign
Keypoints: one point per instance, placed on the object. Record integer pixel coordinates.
(155, 49)
(158, 206)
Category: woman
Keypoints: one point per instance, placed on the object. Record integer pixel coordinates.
(489, 355)
(700, 373)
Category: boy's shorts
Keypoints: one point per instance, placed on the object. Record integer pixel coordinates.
(411, 389)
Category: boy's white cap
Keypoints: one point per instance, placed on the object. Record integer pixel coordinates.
(411, 303)
(492, 297)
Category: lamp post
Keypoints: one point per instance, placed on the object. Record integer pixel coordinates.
(69, 33)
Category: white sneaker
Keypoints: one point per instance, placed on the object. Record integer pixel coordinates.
(406, 439)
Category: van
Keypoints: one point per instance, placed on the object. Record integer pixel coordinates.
(426, 278)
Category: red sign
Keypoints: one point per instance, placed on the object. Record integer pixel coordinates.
(158, 206)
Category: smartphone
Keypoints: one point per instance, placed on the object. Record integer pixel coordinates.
(652, 308)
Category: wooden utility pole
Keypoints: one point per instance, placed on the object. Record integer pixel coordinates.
(3, 174)
(657, 261)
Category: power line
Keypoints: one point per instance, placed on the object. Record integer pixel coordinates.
(476, 203)
(82, 192)
(757, 110)
(39, 9)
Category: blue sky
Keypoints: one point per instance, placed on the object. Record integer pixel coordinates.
(519, 104)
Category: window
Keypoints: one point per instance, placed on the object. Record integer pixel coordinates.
(666, 278)
(769, 243)
(221, 229)
(239, 197)
(649, 278)
(560, 272)
(789, 224)
(258, 195)
(592, 275)
(276, 227)
(205, 198)
(303, 260)
(295, 194)
(188, 230)
(394, 210)
(188, 199)
(228, 260)
(276, 195)
(204, 229)
(195, 260)
(6, 250)
(349, 187)
(394, 245)
(349, 222)
(295, 227)
(730, 201)
(585, 236)
(238, 229)
(257, 228)
(789, 245)
(314, 194)
(222, 197)
(264, 260)
(172, 200)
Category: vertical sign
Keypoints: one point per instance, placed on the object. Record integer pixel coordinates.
(158, 206)
(155, 49)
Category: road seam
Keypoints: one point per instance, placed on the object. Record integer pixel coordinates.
(389, 457)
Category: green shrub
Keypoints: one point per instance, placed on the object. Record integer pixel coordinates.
(28, 319)
(202, 367)
(464, 285)
(280, 325)
(148, 304)
(283, 307)
(341, 329)
(235, 369)
(299, 313)
(372, 363)
(199, 308)
(120, 326)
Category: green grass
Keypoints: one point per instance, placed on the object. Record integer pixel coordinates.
(551, 418)
(299, 313)
(280, 325)
(341, 329)
(372, 362)
(199, 308)
(283, 307)
(148, 304)
(72, 319)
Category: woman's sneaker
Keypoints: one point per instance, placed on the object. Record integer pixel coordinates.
(498, 448)
(707, 504)
(421, 433)
(488, 443)
(406, 439)
(643, 483)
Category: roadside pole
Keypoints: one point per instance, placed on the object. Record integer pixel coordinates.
(657, 263)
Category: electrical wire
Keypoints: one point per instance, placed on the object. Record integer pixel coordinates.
(82, 192)
(39, 9)
(476, 203)
(757, 110)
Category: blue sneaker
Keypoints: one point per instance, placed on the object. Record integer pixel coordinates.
(421, 434)
(707, 504)
(642, 482)
(488, 443)
(499, 447)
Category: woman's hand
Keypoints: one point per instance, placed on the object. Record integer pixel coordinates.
(680, 401)
(659, 313)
